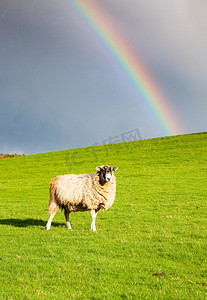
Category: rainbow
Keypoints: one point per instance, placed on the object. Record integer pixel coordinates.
(144, 85)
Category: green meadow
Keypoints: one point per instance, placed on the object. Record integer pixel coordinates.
(152, 243)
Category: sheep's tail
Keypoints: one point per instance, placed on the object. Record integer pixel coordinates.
(53, 199)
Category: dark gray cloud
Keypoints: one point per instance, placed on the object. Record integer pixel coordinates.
(60, 90)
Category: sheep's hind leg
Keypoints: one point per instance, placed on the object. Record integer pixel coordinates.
(93, 223)
(67, 219)
(52, 214)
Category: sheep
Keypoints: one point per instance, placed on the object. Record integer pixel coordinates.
(82, 192)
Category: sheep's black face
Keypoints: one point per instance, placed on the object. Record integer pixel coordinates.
(105, 173)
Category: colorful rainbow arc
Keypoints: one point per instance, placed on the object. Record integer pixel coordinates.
(130, 65)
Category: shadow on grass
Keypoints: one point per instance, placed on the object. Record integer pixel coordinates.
(27, 223)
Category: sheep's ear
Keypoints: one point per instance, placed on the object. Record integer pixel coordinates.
(98, 169)
(115, 169)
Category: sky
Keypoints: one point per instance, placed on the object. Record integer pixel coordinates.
(61, 87)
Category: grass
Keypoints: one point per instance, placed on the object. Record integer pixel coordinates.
(151, 244)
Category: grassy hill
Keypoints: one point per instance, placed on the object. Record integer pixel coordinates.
(151, 244)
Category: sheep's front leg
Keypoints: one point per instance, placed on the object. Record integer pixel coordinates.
(93, 215)
(52, 214)
(67, 219)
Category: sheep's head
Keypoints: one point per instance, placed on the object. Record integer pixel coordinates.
(105, 173)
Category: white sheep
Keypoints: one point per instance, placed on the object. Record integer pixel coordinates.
(82, 192)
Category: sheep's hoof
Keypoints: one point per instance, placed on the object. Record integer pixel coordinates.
(68, 226)
(93, 229)
(47, 228)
